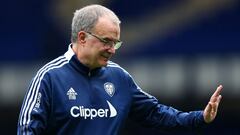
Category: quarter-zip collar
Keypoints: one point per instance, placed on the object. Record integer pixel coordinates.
(76, 64)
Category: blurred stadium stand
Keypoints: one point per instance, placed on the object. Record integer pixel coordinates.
(179, 51)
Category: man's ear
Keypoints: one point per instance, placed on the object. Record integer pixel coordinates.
(82, 37)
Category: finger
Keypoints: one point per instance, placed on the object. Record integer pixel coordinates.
(219, 99)
(209, 108)
(216, 100)
(218, 91)
(215, 104)
(214, 107)
(216, 94)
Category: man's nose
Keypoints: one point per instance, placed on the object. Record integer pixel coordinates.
(112, 50)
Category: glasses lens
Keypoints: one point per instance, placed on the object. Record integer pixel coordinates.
(117, 45)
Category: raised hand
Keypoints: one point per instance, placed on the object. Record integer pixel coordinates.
(211, 109)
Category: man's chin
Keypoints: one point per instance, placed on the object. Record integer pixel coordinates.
(103, 63)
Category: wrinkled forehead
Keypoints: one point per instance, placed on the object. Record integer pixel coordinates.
(106, 27)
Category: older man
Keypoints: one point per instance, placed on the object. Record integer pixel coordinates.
(83, 93)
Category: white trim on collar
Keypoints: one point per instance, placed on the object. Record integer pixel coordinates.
(69, 53)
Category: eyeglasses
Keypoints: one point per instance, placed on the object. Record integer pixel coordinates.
(108, 42)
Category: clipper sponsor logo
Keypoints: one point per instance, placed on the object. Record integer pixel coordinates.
(80, 111)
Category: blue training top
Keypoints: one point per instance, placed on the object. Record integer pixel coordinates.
(67, 98)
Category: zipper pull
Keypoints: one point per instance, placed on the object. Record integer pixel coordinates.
(89, 74)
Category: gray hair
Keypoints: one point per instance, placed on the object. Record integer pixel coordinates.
(85, 19)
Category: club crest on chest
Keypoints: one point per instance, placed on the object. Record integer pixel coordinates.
(109, 88)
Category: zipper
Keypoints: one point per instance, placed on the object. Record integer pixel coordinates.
(89, 74)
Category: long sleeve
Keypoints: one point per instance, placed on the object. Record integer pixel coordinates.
(35, 108)
(149, 112)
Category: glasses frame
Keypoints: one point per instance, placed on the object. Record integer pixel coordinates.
(109, 43)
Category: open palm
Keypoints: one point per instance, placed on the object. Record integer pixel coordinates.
(211, 109)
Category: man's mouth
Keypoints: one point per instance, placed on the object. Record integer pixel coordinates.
(106, 56)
